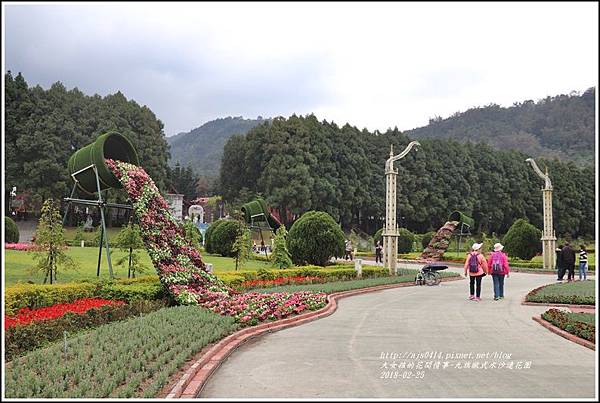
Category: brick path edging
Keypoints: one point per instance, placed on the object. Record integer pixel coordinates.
(564, 333)
(194, 379)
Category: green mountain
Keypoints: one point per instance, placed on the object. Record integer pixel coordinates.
(202, 148)
(562, 126)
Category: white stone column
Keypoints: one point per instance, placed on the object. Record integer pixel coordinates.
(548, 236)
(390, 231)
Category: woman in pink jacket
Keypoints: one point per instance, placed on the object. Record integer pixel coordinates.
(476, 267)
(498, 264)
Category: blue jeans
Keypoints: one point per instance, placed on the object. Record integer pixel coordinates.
(498, 285)
(582, 272)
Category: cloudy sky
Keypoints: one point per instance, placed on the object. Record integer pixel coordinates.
(372, 65)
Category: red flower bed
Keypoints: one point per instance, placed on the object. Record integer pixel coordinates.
(282, 281)
(26, 315)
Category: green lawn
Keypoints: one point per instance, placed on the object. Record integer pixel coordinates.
(18, 264)
(405, 276)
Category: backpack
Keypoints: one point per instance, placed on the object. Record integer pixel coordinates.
(473, 264)
(497, 263)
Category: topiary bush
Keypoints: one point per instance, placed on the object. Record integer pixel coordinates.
(426, 238)
(208, 244)
(315, 238)
(522, 240)
(223, 237)
(405, 240)
(11, 231)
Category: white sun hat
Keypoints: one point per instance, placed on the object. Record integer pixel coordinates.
(498, 247)
(476, 246)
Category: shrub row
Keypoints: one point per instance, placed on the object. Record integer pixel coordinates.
(37, 296)
(341, 272)
(20, 339)
(564, 321)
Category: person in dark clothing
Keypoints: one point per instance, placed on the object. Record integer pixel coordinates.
(560, 267)
(378, 250)
(568, 258)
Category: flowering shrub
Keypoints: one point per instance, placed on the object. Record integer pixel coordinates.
(282, 281)
(25, 315)
(564, 321)
(180, 267)
(19, 246)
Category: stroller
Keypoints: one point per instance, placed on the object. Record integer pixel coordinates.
(429, 274)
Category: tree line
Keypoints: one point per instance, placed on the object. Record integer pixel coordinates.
(300, 164)
(45, 127)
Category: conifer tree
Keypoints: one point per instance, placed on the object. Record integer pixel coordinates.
(50, 244)
(281, 256)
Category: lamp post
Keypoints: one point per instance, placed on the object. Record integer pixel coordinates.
(390, 231)
(548, 237)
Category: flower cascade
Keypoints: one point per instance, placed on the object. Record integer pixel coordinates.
(180, 267)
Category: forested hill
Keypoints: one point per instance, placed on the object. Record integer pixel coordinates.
(300, 164)
(202, 148)
(562, 126)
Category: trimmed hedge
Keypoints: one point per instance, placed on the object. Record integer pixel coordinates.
(522, 240)
(37, 296)
(314, 238)
(208, 242)
(20, 339)
(11, 231)
(345, 272)
(223, 237)
(566, 322)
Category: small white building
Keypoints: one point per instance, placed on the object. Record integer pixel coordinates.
(175, 201)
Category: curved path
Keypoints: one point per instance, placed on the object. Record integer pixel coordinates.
(340, 356)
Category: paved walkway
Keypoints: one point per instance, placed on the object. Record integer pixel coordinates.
(340, 356)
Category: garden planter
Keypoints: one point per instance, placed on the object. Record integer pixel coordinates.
(111, 145)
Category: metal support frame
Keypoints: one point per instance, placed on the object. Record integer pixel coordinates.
(461, 235)
(102, 205)
(252, 226)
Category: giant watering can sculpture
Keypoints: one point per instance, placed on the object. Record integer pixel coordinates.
(111, 145)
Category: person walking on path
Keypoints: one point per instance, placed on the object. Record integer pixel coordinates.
(378, 253)
(583, 262)
(560, 266)
(568, 258)
(498, 266)
(477, 267)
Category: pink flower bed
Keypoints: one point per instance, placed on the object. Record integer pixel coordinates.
(181, 269)
(18, 246)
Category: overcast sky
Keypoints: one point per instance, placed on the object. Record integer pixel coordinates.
(372, 65)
